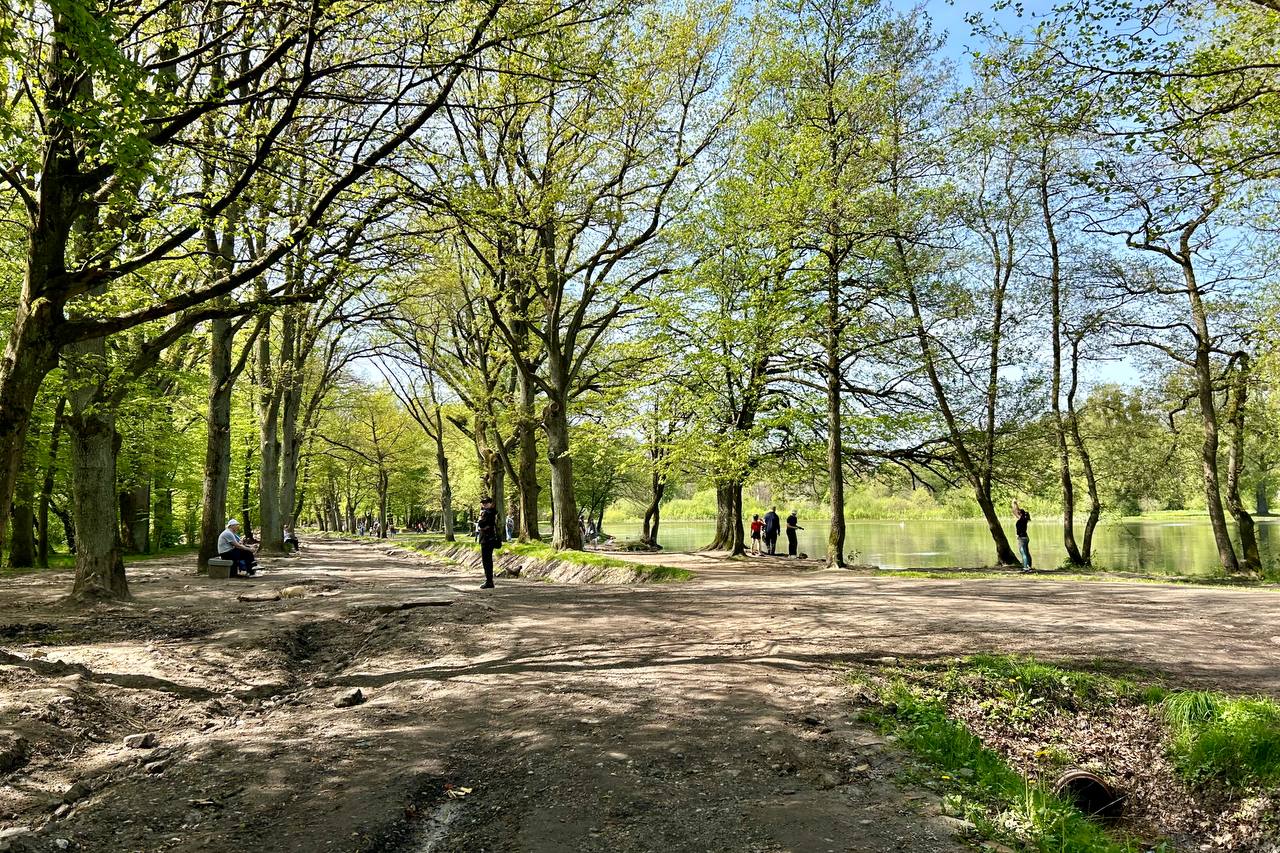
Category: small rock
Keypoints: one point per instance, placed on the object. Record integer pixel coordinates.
(14, 751)
(293, 592)
(17, 839)
(62, 810)
(62, 843)
(957, 826)
(156, 766)
(349, 699)
(76, 792)
(144, 740)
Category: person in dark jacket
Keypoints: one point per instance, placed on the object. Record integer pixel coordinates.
(793, 525)
(1021, 517)
(487, 536)
(772, 526)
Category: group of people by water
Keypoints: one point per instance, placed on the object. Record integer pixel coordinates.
(765, 530)
(764, 533)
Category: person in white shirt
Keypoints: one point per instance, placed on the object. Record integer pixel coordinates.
(229, 548)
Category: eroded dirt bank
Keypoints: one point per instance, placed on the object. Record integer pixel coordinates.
(697, 716)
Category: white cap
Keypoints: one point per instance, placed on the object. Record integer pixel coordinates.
(231, 522)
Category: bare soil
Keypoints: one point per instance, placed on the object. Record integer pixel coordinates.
(706, 715)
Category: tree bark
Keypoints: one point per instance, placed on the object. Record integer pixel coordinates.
(46, 486)
(1208, 411)
(446, 488)
(270, 532)
(22, 541)
(527, 468)
(135, 518)
(1237, 397)
(99, 568)
(729, 532)
(1086, 460)
(217, 452)
(835, 443)
(653, 513)
(565, 532)
(1055, 388)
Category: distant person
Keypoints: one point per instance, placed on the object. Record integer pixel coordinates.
(793, 526)
(487, 536)
(511, 526)
(757, 526)
(231, 547)
(1021, 517)
(772, 527)
(589, 532)
(291, 538)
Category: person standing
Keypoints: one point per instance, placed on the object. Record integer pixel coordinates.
(1021, 517)
(511, 526)
(772, 527)
(793, 526)
(757, 526)
(487, 536)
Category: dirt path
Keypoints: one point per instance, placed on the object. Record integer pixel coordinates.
(706, 715)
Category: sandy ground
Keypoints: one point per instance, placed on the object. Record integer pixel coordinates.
(706, 715)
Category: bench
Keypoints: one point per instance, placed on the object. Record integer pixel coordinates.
(219, 569)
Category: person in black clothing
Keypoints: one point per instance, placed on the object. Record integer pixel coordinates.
(772, 526)
(487, 535)
(793, 524)
(1021, 517)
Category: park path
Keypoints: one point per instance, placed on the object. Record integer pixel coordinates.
(706, 715)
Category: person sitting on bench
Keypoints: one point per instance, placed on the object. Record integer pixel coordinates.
(230, 548)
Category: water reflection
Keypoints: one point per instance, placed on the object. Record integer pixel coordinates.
(1183, 547)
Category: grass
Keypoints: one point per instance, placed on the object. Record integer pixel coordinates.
(61, 562)
(980, 786)
(1215, 736)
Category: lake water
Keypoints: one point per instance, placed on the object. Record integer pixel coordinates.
(1182, 547)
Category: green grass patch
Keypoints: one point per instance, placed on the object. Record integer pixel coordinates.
(1218, 737)
(980, 787)
(544, 551)
(59, 561)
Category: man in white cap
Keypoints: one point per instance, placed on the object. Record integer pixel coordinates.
(229, 548)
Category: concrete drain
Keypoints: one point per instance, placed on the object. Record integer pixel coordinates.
(1092, 794)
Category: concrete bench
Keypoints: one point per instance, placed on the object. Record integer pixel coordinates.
(219, 569)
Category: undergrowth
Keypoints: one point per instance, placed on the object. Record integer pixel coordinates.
(982, 788)
(1215, 736)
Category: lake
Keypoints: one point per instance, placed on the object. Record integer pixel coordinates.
(1176, 547)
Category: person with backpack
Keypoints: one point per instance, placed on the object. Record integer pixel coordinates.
(772, 527)
(1021, 517)
(487, 536)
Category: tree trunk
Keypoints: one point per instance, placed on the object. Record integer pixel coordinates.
(46, 487)
(1262, 497)
(653, 513)
(527, 468)
(135, 518)
(446, 488)
(729, 533)
(384, 482)
(99, 568)
(1086, 461)
(565, 533)
(270, 532)
(1208, 416)
(290, 453)
(246, 486)
(22, 540)
(1237, 396)
(217, 449)
(835, 448)
(29, 356)
(1055, 389)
